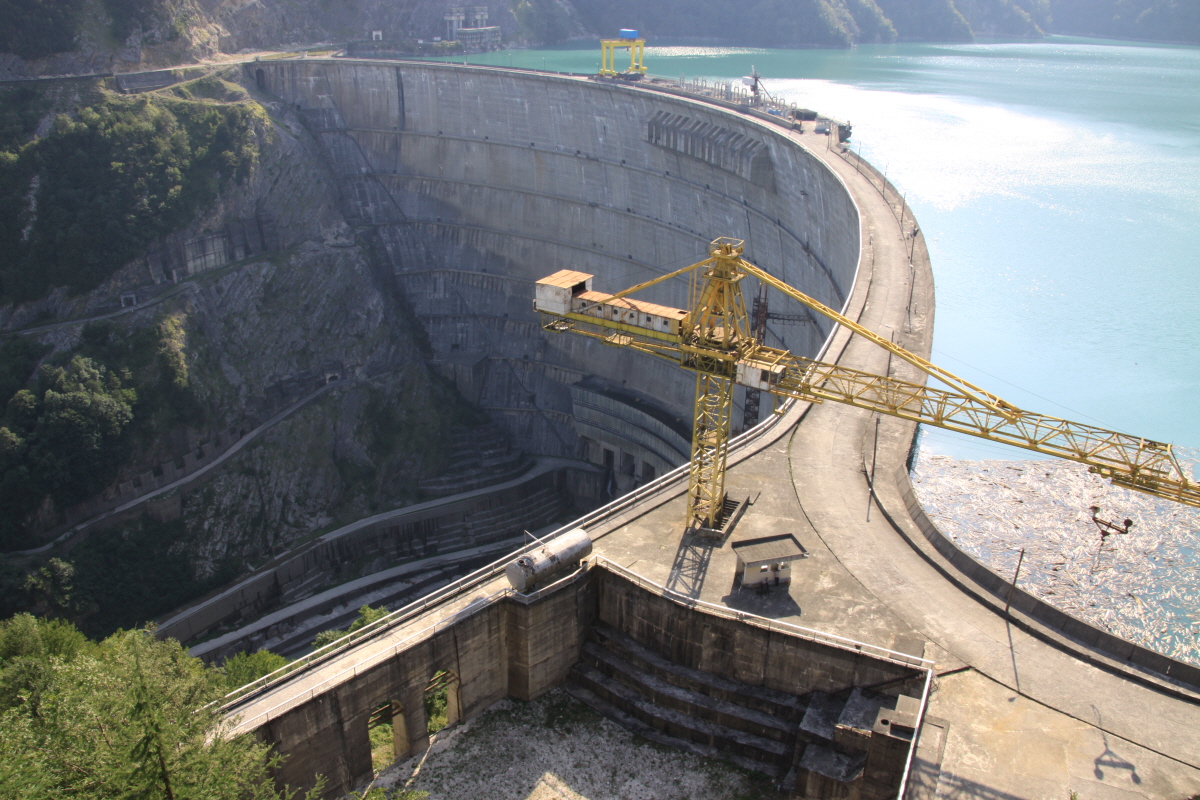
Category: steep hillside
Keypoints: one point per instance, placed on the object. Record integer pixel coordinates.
(134, 192)
(53, 37)
(1153, 20)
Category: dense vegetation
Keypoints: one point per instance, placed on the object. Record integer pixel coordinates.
(64, 435)
(121, 718)
(64, 439)
(366, 615)
(68, 426)
(156, 573)
(37, 28)
(542, 20)
(40, 28)
(81, 202)
(127, 717)
(1154, 20)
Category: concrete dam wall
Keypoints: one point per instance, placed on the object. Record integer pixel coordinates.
(475, 182)
(771, 697)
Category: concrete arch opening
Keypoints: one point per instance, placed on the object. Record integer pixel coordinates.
(442, 707)
(387, 730)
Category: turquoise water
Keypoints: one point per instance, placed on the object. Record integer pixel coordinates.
(1058, 186)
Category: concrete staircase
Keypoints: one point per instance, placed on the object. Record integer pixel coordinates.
(480, 457)
(686, 708)
(502, 520)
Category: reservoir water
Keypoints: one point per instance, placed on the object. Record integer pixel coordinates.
(1058, 186)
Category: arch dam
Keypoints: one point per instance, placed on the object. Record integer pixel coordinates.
(890, 666)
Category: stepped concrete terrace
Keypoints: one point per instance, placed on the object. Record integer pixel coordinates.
(1014, 709)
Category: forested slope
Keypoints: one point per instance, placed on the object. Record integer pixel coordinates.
(108, 199)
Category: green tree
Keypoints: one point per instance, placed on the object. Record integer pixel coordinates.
(65, 440)
(37, 28)
(83, 201)
(366, 615)
(243, 668)
(129, 717)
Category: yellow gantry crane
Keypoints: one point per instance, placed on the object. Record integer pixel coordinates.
(714, 339)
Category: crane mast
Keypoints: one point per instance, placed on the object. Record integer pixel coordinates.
(715, 338)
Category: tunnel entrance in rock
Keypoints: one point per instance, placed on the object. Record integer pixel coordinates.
(387, 731)
(441, 701)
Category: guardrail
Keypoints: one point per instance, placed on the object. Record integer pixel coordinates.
(808, 634)
(359, 666)
(373, 660)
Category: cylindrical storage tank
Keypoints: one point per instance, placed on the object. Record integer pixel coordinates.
(541, 565)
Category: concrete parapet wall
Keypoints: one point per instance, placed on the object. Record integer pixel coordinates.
(727, 647)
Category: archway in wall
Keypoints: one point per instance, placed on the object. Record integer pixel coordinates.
(388, 733)
(441, 701)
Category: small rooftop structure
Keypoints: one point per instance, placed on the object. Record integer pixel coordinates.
(768, 559)
(570, 292)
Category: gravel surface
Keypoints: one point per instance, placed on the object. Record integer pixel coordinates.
(556, 748)
(1143, 585)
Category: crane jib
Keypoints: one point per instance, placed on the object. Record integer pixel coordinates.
(714, 339)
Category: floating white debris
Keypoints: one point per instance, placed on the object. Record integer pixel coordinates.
(1142, 585)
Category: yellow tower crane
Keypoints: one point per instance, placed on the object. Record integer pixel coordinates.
(714, 339)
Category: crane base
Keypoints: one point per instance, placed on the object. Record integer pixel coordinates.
(731, 511)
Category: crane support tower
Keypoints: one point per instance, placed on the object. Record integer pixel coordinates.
(715, 338)
(637, 54)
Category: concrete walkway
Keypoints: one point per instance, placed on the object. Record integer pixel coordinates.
(1013, 716)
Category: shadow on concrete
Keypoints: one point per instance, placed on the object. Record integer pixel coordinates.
(774, 603)
(690, 567)
(1012, 652)
(1109, 759)
(928, 779)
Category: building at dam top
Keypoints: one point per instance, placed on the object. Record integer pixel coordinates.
(887, 666)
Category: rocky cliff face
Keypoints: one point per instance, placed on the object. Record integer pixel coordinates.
(178, 32)
(313, 318)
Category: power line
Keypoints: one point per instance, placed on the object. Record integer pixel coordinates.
(1022, 388)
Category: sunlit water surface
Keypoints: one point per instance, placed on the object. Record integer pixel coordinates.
(1058, 186)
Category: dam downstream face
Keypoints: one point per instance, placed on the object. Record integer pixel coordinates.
(475, 182)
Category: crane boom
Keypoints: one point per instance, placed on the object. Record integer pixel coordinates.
(715, 339)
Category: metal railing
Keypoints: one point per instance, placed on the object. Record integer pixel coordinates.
(490, 571)
(244, 725)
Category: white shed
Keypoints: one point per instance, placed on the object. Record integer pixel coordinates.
(768, 559)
